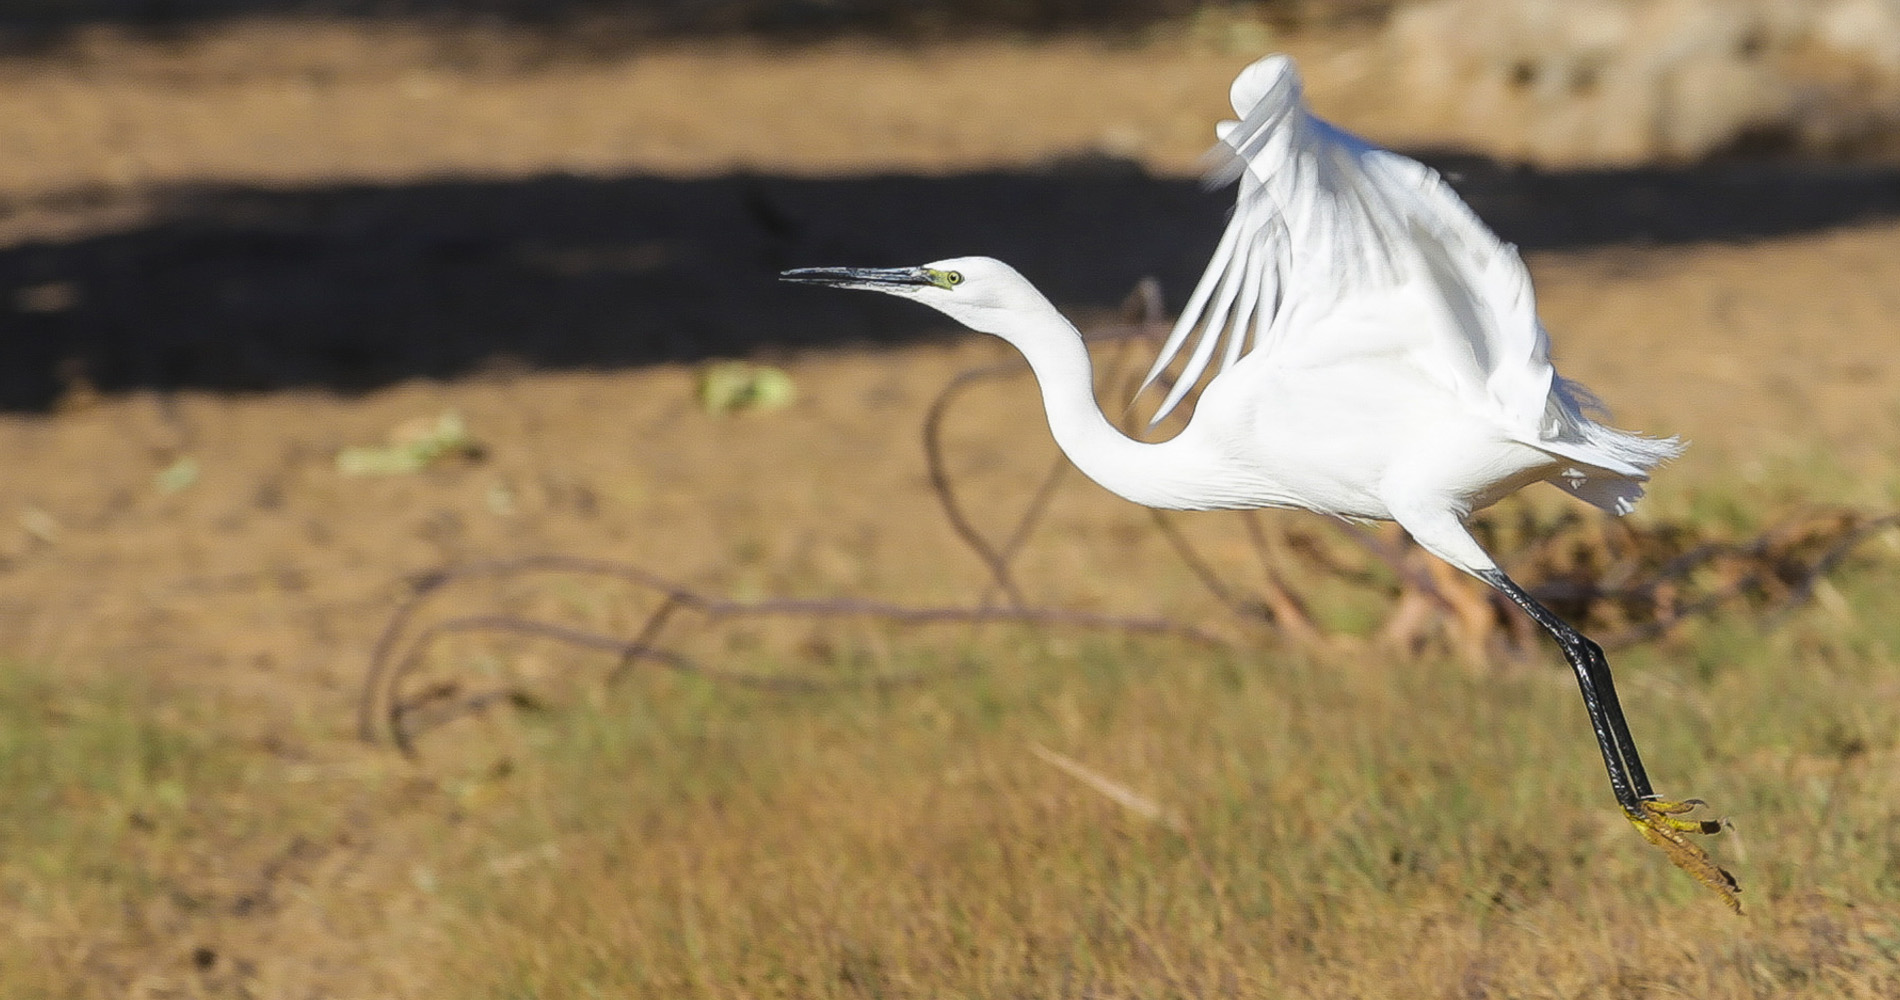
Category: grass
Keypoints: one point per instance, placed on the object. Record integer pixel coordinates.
(103, 797)
(1350, 829)
(1349, 826)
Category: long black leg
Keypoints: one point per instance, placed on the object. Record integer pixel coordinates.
(1660, 823)
(1627, 778)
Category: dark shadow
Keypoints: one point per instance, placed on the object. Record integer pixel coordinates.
(592, 24)
(351, 287)
(1724, 200)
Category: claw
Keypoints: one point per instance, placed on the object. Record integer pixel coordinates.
(1666, 812)
(1661, 824)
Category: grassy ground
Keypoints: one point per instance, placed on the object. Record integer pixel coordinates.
(1330, 826)
(190, 589)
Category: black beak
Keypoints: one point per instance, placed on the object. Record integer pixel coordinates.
(858, 277)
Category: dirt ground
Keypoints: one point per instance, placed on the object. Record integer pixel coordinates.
(250, 251)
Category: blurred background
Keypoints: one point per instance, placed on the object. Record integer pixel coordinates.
(302, 300)
(261, 195)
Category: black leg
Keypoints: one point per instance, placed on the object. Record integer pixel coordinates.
(1627, 778)
(1660, 823)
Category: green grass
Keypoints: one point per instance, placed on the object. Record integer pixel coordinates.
(96, 782)
(142, 839)
(1351, 825)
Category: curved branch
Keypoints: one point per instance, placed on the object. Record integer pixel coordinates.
(387, 670)
(940, 476)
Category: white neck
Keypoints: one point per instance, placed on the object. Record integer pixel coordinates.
(1172, 474)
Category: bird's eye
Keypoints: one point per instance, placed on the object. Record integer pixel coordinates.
(953, 278)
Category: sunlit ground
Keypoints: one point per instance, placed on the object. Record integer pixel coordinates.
(191, 587)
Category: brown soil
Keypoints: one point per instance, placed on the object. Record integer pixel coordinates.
(255, 249)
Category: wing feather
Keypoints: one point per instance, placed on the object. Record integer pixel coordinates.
(1233, 280)
(1211, 278)
(1322, 216)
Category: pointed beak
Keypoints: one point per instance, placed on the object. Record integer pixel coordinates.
(880, 278)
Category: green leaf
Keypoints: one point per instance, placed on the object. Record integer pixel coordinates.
(734, 386)
(413, 446)
(177, 476)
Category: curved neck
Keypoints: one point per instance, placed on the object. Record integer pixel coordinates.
(1170, 474)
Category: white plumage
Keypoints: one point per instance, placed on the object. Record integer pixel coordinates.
(1380, 358)
(1386, 248)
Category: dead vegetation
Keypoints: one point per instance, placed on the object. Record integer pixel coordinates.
(1623, 583)
(190, 586)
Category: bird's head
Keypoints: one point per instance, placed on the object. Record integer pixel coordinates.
(982, 293)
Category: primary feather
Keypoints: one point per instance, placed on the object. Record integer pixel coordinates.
(1329, 230)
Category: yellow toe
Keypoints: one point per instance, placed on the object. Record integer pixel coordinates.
(1661, 823)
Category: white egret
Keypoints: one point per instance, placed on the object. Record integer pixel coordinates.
(1381, 359)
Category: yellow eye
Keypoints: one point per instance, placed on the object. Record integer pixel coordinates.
(945, 280)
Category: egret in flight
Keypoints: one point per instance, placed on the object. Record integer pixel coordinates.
(1380, 359)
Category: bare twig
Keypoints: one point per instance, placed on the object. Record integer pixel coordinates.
(1829, 560)
(1116, 792)
(382, 686)
(1142, 311)
(399, 711)
(946, 492)
(1611, 573)
(1204, 573)
(1289, 612)
(1770, 561)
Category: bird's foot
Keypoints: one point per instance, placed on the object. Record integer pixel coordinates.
(1662, 823)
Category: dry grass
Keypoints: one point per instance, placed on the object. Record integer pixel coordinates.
(187, 814)
(1355, 824)
(1348, 827)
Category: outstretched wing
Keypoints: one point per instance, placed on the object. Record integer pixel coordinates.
(1323, 216)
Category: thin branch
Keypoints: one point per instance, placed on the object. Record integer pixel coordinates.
(387, 671)
(998, 561)
(941, 484)
(1201, 571)
(648, 635)
(1031, 516)
(1771, 563)
(402, 734)
(1142, 311)
(1832, 558)
(1289, 612)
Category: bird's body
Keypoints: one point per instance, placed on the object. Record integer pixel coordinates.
(1342, 431)
(1380, 359)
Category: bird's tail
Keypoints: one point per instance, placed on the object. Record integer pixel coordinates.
(1611, 465)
